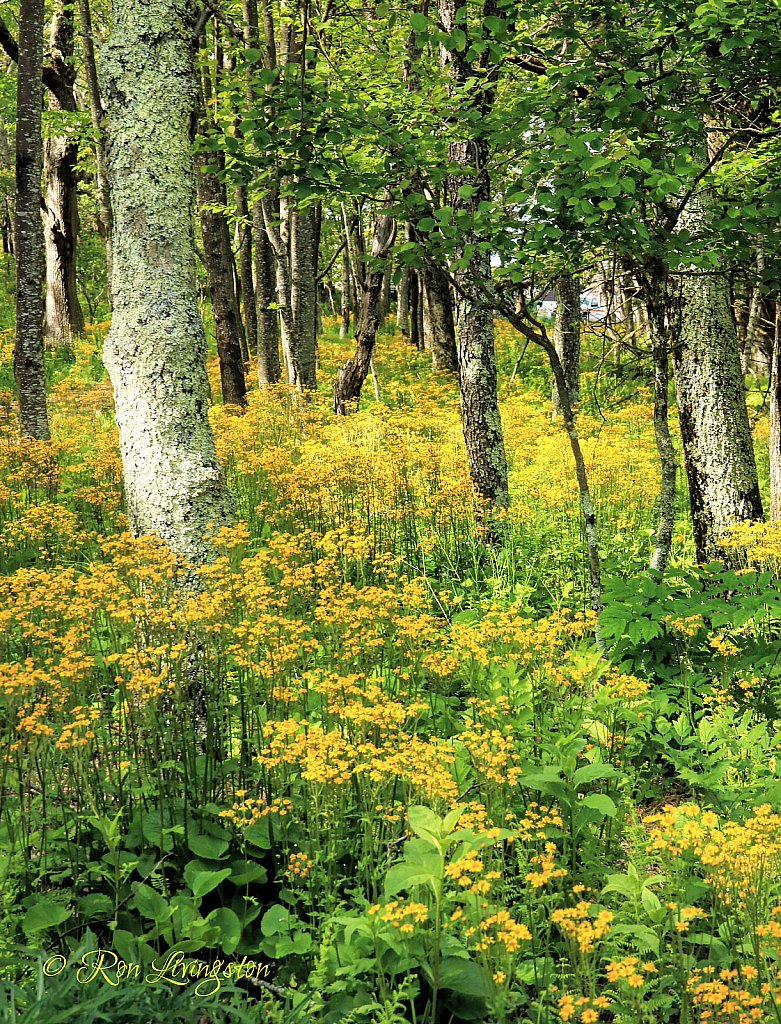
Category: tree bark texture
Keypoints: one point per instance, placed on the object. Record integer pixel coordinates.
(438, 323)
(344, 325)
(64, 316)
(269, 369)
(566, 337)
(350, 377)
(774, 440)
(98, 126)
(415, 335)
(717, 445)
(476, 359)
(219, 276)
(28, 230)
(245, 270)
(155, 352)
(402, 307)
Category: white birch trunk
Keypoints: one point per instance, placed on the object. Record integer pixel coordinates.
(156, 348)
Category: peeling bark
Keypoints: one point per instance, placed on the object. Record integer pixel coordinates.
(28, 230)
(155, 352)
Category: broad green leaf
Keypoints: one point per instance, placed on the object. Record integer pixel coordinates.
(600, 802)
(464, 976)
(207, 846)
(44, 914)
(590, 772)
(149, 903)
(230, 928)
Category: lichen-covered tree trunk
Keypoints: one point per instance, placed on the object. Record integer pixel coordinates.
(438, 323)
(717, 446)
(155, 352)
(566, 337)
(64, 316)
(774, 438)
(480, 417)
(28, 230)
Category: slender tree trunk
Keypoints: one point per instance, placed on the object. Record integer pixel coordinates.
(402, 308)
(28, 342)
(566, 337)
(269, 369)
(438, 323)
(383, 305)
(414, 310)
(8, 204)
(155, 351)
(98, 127)
(303, 297)
(344, 326)
(218, 258)
(476, 359)
(774, 439)
(64, 317)
(655, 292)
(245, 269)
(717, 445)
(349, 379)
(755, 309)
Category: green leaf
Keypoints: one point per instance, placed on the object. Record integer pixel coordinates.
(44, 914)
(245, 871)
(600, 802)
(252, 55)
(149, 903)
(202, 880)
(230, 928)
(207, 846)
(590, 772)
(275, 920)
(464, 976)
(418, 22)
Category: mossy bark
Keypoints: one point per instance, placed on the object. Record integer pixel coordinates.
(155, 352)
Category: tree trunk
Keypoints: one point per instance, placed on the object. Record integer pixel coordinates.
(438, 323)
(7, 214)
(717, 446)
(566, 337)
(155, 352)
(476, 359)
(774, 439)
(402, 308)
(344, 326)
(383, 304)
(269, 369)
(414, 310)
(218, 258)
(64, 317)
(245, 270)
(303, 294)
(349, 379)
(28, 231)
(98, 126)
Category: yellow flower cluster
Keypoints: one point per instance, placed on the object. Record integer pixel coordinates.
(628, 969)
(507, 931)
(246, 809)
(724, 999)
(577, 924)
(547, 868)
(298, 865)
(403, 916)
(735, 857)
(588, 1009)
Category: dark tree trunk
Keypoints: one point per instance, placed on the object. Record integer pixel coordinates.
(414, 310)
(438, 318)
(245, 270)
(349, 379)
(28, 342)
(344, 326)
(64, 317)
(566, 336)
